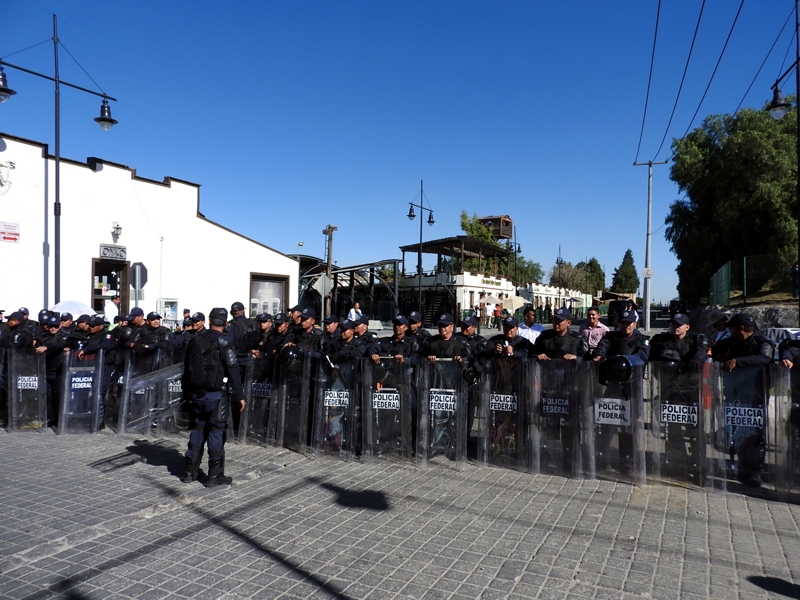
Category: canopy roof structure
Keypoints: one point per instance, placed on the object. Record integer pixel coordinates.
(460, 246)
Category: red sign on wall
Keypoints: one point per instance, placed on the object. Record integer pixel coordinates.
(9, 232)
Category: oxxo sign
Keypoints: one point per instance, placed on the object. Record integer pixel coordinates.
(110, 252)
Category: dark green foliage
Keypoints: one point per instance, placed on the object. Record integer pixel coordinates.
(739, 174)
(625, 279)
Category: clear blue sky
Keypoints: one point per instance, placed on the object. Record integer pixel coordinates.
(293, 115)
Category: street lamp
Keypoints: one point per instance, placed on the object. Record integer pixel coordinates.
(779, 106)
(411, 215)
(104, 120)
(299, 272)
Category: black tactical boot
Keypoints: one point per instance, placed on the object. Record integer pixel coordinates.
(193, 465)
(216, 475)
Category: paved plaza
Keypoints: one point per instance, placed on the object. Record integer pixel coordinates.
(105, 516)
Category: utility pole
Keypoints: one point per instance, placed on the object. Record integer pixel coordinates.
(647, 271)
(328, 231)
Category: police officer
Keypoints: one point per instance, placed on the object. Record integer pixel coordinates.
(294, 319)
(678, 345)
(243, 335)
(508, 343)
(102, 339)
(50, 342)
(209, 359)
(67, 323)
(331, 328)
(626, 340)
(476, 342)
(745, 348)
(400, 346)
(80, 334)
(347, 347)
(369, 339)
(180, 340)
(560, 342)
(445, 344)
(148, 340)
(415, 327)
(135, 319)
(308, 338)
(264, 321)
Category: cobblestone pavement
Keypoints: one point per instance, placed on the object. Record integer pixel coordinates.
(105, 516)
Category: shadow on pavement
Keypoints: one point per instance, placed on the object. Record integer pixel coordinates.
(159, 455)
(355, 499)
(776, 585)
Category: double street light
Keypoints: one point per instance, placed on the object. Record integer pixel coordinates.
(105, 121)
(411, 215)
(779, 106)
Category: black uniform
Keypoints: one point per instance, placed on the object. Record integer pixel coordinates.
(553, 345)
(614, 343)
(520, 345)
(209, 358)
(437, 346)
(692, 348)
(146, 343)
(313, 341)
(407, 347)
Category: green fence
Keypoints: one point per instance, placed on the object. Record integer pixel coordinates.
(750, 279)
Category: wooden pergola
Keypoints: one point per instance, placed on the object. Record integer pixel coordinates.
(459, 248)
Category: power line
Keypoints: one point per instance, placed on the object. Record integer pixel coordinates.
(752, 82)
(714, 72)
(683, 78)
(649, 80)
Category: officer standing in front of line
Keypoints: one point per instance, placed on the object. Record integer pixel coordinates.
(209, 360)
(560, 342)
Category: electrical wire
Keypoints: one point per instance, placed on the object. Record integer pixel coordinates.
(713, 73)
(81, 66)
(739, 106)
(28, 48)
(683, 78)
(789, 49)
(649, 81)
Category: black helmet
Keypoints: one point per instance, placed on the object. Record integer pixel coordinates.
(292, 358)
(125, 334)
(618, 368)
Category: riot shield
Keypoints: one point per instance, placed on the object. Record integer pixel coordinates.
(247, 387)
(337, 408)
(615, 442)
(288, 422)
(681, 441)
(170, 396)
(386, 427)
(556, 414)
(502, 410)
(142, 395)
(751, 435)
(784, 412)
(442, 411)
(257, 419)
(80, 393)
(27, 390)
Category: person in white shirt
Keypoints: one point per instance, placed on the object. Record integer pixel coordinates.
(111, 309)
(529, 328)
(355, 312)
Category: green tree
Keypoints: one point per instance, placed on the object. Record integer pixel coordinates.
(594, 276)
(739, 175)
(625, 277)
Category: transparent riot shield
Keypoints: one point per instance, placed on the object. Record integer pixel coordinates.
(247, 388)
(555, 445)
(142, 395)
(752, 432)
(288, 422)
(170, 396)
(784, 411)
(615, 442)
(681, 440)
(337, 408)
(80, 393)
(27, 390)
(387, 397)
(502, 410)
(260, 398)
(442, 411)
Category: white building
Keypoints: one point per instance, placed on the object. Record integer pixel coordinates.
(191, 261)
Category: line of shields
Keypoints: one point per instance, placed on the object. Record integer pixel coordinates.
(664, 424)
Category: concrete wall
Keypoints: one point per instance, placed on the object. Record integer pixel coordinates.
(187, 256)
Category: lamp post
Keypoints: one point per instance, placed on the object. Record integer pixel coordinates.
(104, 120)
(299, 272)
(778, 108)
(411, 216)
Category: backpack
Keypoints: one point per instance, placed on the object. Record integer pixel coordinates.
(205, 363)
(246, 338)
